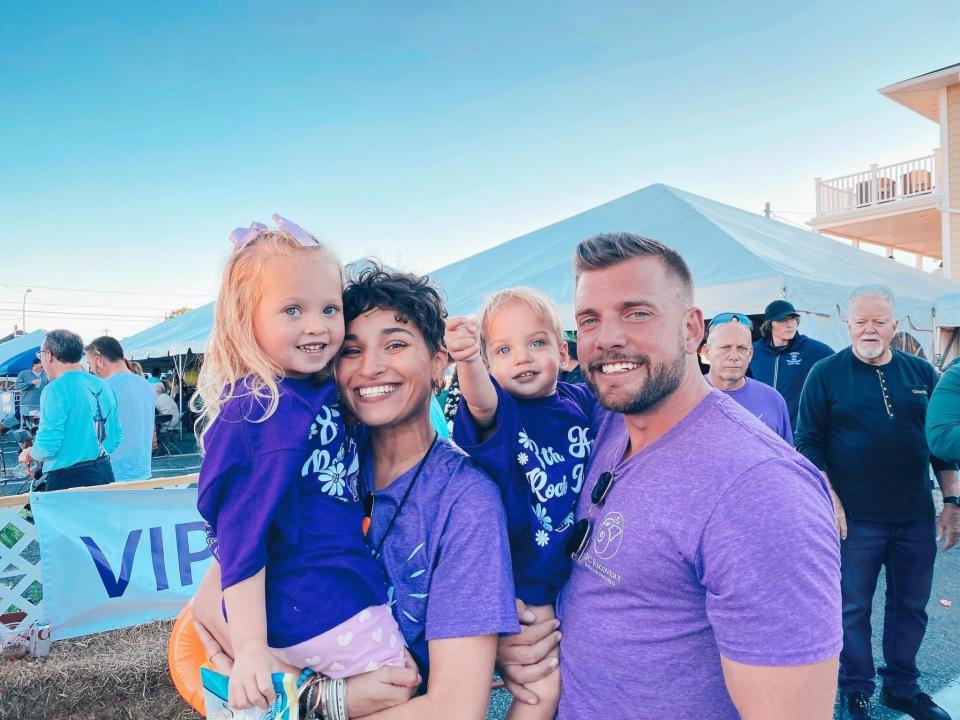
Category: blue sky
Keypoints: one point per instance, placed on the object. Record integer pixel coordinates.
(134, 137)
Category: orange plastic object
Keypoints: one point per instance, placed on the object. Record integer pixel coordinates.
(185, 655)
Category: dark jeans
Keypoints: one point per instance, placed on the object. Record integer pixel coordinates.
(907, 550)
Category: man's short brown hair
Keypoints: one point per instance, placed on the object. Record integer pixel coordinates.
(607, 249)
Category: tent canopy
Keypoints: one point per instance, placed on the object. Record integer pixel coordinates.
(740, 262)
(180, 335)
(17, 353)
(948, 310)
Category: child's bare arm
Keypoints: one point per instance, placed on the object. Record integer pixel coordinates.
(463, 343)
(250, 683)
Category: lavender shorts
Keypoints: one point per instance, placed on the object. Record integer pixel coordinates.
(367, 641)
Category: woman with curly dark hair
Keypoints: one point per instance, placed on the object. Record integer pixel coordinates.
(436, 522)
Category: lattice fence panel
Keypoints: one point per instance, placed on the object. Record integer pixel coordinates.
(21, 588)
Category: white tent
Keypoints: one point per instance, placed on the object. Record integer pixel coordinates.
(740, 262)
(948, 310)
(180, 335)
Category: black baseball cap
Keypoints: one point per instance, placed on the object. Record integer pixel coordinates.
(780, 310)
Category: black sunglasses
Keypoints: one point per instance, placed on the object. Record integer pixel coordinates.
(583, 530)
(726, 317)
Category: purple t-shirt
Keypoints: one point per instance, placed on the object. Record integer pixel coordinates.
(446, 557)
(767, 405)
(283, 494)
(717, 539)
(536, 455)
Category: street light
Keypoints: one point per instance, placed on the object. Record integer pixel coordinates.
(24, 323)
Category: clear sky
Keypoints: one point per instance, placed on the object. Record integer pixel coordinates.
(135, 136)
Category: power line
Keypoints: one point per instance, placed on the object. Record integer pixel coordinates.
(32, 306)
(11, 312)
(16, 287)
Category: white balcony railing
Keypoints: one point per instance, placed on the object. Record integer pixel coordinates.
(879, 186)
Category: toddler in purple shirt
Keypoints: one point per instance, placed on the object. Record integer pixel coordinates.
(532, 435)
(278, 481)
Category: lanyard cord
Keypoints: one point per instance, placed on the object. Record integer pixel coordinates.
(403, 500)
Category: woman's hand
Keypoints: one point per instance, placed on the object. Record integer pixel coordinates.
(251, 684)
(530, 655)
(217, 656)
(381, 689)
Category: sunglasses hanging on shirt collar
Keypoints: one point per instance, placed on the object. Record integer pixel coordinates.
(583, 530)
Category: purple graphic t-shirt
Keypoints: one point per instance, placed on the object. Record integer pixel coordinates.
(765, 404)
(717, 539)
(446, 557)
(282, 494)
(536, 455)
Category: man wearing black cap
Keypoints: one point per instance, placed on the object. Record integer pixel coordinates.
(782, 357)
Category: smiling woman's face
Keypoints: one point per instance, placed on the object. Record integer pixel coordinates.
(385, 370)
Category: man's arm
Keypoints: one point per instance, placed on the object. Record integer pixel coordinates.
(943, 416)
(813, 419)
(53, 418)
(801, 692)
(23, 382)
(948, 524)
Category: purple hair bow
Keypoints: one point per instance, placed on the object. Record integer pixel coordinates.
(241, 237)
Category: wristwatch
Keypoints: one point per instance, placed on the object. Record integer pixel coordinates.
(951, 500)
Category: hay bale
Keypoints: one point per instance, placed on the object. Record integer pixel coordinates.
(117, 674)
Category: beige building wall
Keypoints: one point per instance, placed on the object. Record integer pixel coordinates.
(953, 168)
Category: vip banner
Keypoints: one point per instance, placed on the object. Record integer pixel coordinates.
(115, 558)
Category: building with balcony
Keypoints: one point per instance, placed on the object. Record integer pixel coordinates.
(912, 205)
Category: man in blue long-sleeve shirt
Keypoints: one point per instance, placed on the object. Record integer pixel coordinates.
(861, 421)
(79, 423)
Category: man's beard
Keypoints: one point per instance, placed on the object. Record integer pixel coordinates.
(662, 381)
(870, 350)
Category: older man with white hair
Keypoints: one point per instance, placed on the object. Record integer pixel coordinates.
(728, 350)
(861, 422)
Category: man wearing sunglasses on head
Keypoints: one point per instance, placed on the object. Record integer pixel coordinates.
(782, 357)
(706, 581)
(728, 350)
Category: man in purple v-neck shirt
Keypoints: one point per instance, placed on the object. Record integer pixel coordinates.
(706, 574)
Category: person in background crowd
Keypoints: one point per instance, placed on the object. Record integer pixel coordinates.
(728, 350)
(30, 383)
(136, 402)
(79, 422)
(166, 405)
(706, 581)
(862, 423)
(943, 416)
(782, 358)
(155, 378)
(570, 371)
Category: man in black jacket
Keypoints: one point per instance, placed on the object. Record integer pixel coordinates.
(861, 422)
(782, 357)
